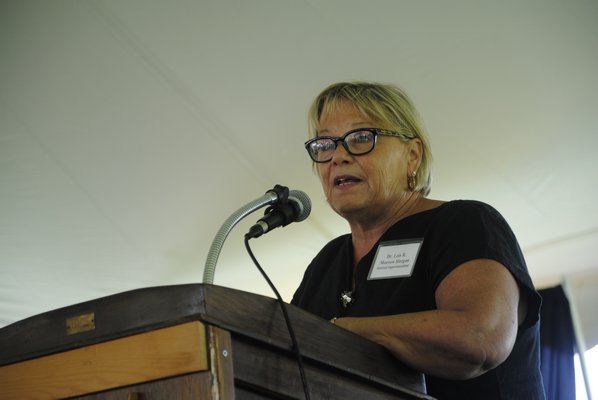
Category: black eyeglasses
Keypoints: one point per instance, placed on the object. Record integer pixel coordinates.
(357, 143)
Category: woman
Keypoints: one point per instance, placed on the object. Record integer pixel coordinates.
(442, 285)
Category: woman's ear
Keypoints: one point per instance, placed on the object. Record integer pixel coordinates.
(415, 153)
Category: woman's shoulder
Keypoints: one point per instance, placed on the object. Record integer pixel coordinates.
(457, 213)
(471, 207)
(460, 205)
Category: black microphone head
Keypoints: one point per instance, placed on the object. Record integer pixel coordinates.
(302, 202)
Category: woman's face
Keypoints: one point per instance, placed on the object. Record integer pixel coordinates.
(370, 184)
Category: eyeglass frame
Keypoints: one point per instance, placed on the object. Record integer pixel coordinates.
(335, 139)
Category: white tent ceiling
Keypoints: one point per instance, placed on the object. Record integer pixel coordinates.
(130, 130)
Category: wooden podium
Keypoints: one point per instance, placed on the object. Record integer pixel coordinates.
(192, 342)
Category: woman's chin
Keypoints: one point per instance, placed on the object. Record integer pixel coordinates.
(348, 210)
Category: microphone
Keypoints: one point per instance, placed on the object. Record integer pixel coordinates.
(296, 209)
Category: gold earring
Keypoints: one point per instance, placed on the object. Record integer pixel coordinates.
(411, 181)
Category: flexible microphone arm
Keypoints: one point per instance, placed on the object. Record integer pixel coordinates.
(278, 194)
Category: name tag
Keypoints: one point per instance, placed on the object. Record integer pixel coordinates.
(395, 259)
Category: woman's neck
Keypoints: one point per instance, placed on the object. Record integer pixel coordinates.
(366, 231)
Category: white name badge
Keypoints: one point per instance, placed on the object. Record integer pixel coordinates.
(395, 259)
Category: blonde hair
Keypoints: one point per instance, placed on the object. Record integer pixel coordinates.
(383, 103)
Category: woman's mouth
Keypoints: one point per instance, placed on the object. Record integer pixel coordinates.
(345, 180)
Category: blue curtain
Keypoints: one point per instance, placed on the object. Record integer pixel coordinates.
(557, 343)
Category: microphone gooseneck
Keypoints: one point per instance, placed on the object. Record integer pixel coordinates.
(278, 194)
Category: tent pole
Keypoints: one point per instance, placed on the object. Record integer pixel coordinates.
(579, 338)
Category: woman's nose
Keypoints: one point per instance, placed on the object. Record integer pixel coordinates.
(340, 155)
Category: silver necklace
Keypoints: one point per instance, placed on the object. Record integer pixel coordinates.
(347, 298)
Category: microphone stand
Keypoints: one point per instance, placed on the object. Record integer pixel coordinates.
(278, 194)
